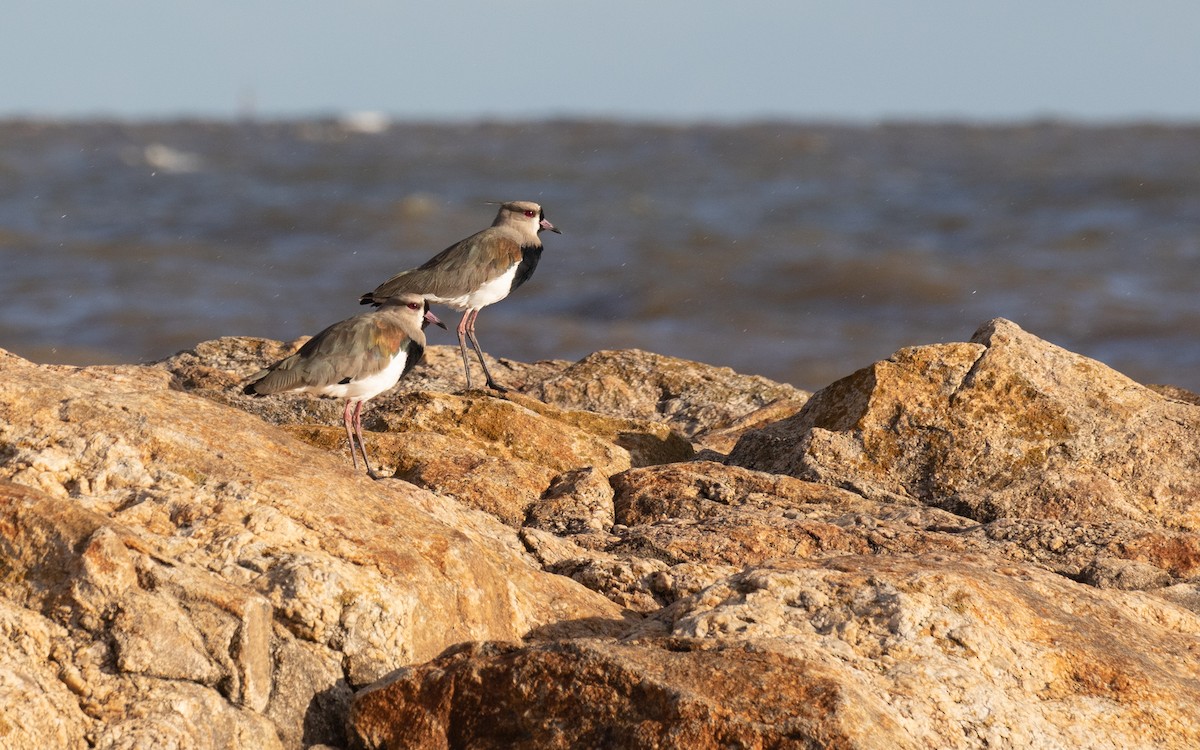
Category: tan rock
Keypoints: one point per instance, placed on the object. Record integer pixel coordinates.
(742, 536)
(38, 693)
(163, 518)
(682, 527)
(683, 517)
(691, 397)
(504, 487)
(590, 693)
(501, 455)
(577, 502)
(961, 652)
(908, 561)
(1005, 426)
(313, 708)
(1084, 550)
(640, 584)
(721, 440)
(154, 636)
(852, 651)
(662, 403)
(498, 454)
(1176, 393)
(648, 442)
(169, 713)
(504, 429)
(702, 489)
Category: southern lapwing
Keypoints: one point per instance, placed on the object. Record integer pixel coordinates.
(356, 359)
(473, 273)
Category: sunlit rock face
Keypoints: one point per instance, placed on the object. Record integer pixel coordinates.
(981, 544)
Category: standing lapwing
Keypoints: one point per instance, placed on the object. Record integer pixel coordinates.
(475, 272)
(356, 359)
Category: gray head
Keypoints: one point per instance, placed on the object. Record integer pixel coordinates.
(527, 215)
(413, 305)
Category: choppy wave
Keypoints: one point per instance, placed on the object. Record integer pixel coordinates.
(800, 252)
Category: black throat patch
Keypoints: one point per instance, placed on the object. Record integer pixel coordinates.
(414, 351)
(530, 255)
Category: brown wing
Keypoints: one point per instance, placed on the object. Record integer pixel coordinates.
(457, 270)
(354, 348)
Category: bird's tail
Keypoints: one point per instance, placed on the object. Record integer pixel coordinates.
(251, 387)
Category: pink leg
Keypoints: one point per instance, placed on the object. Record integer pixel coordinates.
(362, 446)
(491, 382)
(462, 346)
(348, 420)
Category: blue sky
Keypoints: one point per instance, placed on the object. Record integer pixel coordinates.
(854, 60)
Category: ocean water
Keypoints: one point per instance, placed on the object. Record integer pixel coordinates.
(797, 251)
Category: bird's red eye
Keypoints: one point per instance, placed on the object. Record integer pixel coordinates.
(531, 214)
(414, 305)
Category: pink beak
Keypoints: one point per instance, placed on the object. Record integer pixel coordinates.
(547, 225)
(431, 318)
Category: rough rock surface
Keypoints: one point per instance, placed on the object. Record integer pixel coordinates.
(694, 399)
(1006, 425)
(181, 546)
(663, 693)
(856, 652)
(986, 544)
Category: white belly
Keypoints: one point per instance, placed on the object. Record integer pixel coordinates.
(368, 387)
(493, 291)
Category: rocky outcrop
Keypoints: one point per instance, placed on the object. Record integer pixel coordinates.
(984, 544)
(183, 548)
(663, 693)
(701, 402)
(1004, 426)
(853, 651)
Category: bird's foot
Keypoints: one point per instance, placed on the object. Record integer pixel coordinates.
(496, 386)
